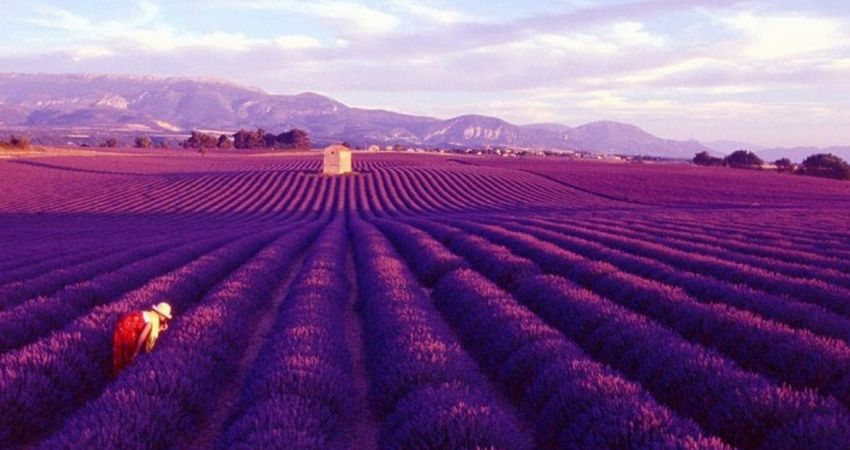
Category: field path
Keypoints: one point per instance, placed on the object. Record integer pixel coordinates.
(214, 423)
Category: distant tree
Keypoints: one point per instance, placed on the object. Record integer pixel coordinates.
(18, 142)
(244, 139)
(826, 166)
(784, 165)
(269, 140)
(224, 142)
(240, 139)
(143, 142)
(164, 143)
(294, 139)
(110, 142)
(705, 159)
(199, 140)
(743, 159)
(346, 144)
(258, 139)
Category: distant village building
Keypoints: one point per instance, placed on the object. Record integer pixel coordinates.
(374, 148)
(337, 160)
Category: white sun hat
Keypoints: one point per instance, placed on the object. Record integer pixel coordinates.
(164, 309)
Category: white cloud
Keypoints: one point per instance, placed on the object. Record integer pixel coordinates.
(780, 36)
(661, 72)
(89, 52)
(234, 42)
(353, 16)
(297, 41)
(634, 33)
(606, 40)
(57, 18)
(89, 39)
(576, 43)
(839, 64)
(438, 15)
(347, 16)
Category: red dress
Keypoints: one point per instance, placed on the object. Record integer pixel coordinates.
(125, 340)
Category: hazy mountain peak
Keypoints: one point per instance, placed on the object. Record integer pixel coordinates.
(162, 105)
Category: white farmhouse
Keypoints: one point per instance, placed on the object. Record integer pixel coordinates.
(337, 160)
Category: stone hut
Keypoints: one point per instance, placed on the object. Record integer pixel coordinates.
(337, 160)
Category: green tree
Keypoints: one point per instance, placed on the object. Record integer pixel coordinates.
(705, 159)
(110, 142)
(199, 140)
(784, 165)
(826, 166)
(743, 159)
(224, 142)
(143, 142)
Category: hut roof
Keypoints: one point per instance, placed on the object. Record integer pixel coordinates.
(337, 148)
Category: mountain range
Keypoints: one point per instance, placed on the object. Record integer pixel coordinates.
(77, 104)
(73, 106)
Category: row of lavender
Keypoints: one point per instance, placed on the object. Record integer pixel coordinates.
(102, 282)
(791, 249)
(299, 394)
(573, 401)
(512, 272)
(796, 314)
(46, 270)
(256, 191)
(166, 393)
(823, 286)
(793, 355)
(426, 391)
(51, 377)
(743, 408)
(683, 185)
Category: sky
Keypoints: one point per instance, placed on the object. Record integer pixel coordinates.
(771, 73)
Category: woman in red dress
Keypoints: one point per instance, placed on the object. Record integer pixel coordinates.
(136, 330)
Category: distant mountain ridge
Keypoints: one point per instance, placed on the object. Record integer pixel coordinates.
(147, 104)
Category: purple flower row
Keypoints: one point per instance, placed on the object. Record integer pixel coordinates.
(729, 241)
(50, 378)
(573, 401)
(432, 259)
(299, 393)
(795, 356)
(39, 316)
(719, 250)
(48, 283)
(702, 288)
(495, 261)
(813, 291)
(744, 408)
(39, 261)
(426, 389)
(762, 234)
(644, 350)
(166, 393)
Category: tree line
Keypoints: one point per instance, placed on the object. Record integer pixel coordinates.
(825, 165)
(16, 142)
(295, 139)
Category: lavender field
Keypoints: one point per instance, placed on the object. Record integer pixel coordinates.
(425, 302)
